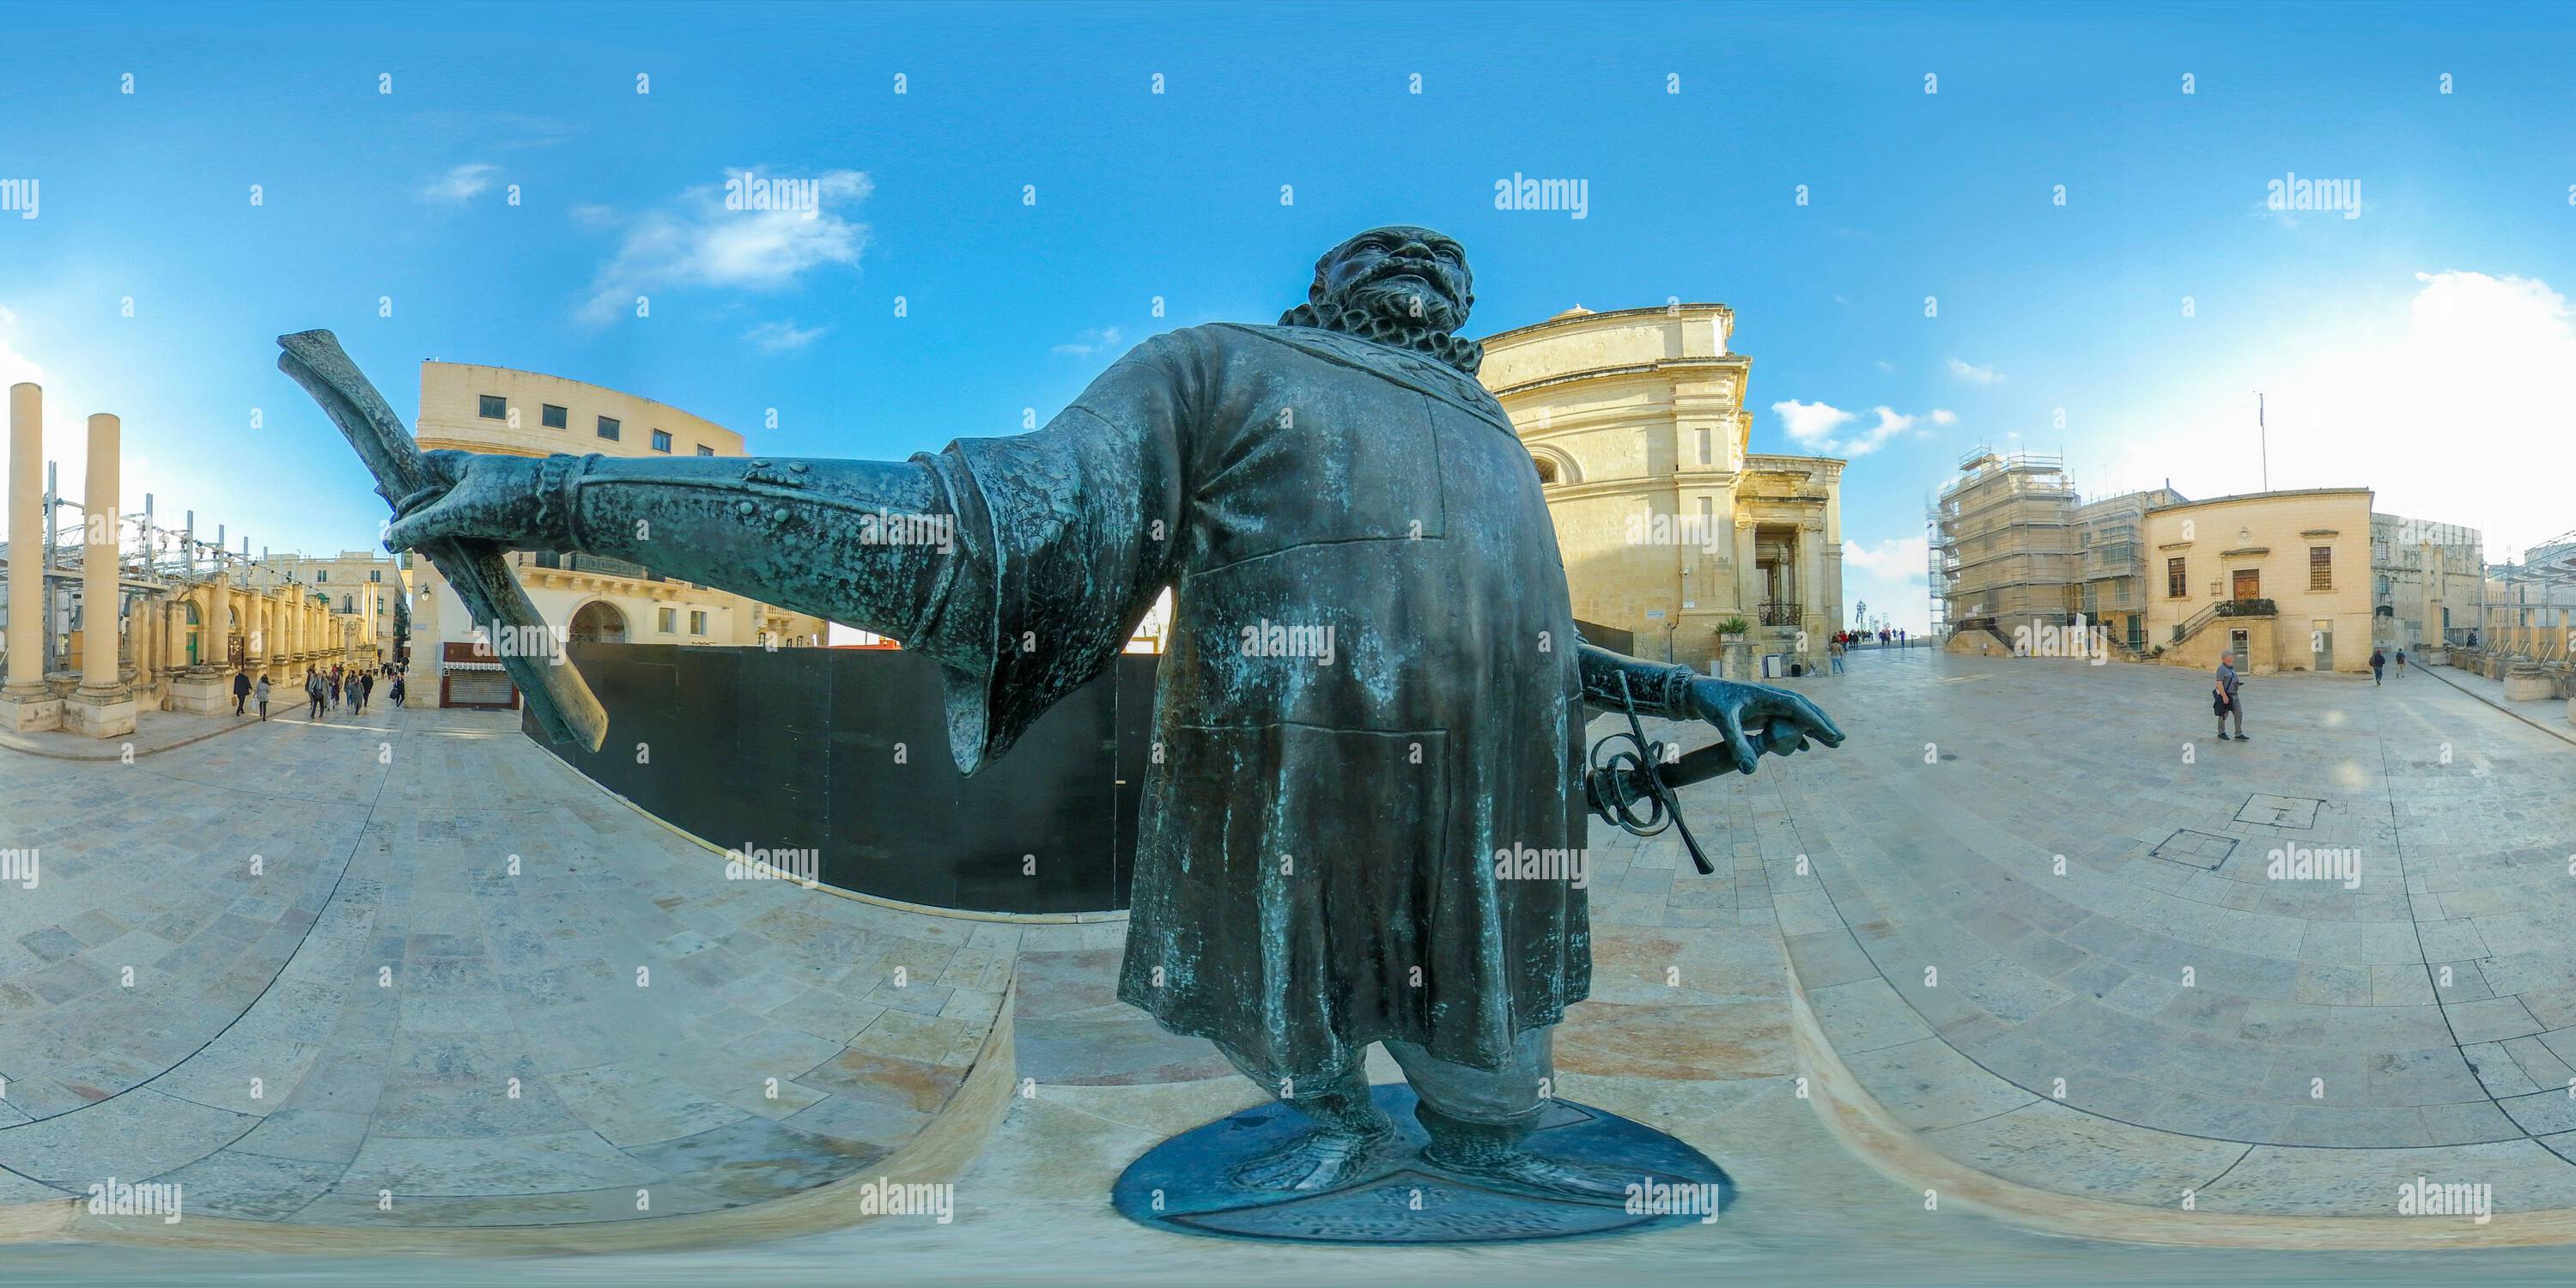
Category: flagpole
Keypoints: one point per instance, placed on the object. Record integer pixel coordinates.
(2263, 437)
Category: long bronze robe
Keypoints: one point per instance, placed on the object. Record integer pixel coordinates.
(1316, 865)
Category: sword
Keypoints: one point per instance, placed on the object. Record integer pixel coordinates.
(556, 694)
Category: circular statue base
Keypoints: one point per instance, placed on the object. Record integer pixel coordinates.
(1182, 1184)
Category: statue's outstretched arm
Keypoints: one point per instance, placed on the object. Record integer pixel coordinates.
(866, 543)
(1752, 718)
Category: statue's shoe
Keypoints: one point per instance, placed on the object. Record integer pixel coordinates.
(1317, 1160)
(1521, 1171)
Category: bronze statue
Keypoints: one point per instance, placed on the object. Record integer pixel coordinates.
(1370, 709)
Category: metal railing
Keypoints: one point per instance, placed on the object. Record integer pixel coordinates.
(1780, 613)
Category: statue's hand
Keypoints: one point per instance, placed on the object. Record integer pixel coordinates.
(1786, 720)
(484, 497)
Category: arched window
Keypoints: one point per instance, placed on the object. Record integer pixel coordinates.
(1546, 470)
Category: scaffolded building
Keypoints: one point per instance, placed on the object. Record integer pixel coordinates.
(2004, 552)
(2110, 537)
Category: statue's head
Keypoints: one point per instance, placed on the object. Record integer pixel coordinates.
(1403, 274)
(1399, 285)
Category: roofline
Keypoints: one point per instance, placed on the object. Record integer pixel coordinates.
(1581, 318)
(2262, 496)
(606, 389)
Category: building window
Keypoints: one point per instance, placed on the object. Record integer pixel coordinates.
(1703, 447)
(495, 407)
(1546, 470)
(608, 428)
(321, 575)
(553, 417)
(704, 450)
(2175, 586)
(668, 621)
(375, 574)
(348, 603)
(661, 440)
(2321, 567)
(697, 621)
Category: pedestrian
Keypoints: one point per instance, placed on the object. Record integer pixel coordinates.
(241, 690)
(2226, 698)
(334, 686)
(2378, 662)
(366, 689)
(314, 690)
(1834, 654)
(398, 692)
(2401, 664)
(262, 691)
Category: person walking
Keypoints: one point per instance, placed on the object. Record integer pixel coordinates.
(2227, 699)
(2401, 664)
(241, 690)
(1834, 654)
(262, 690)
(398, 692)
(2378, 663)
(314, 690)
(334, 687)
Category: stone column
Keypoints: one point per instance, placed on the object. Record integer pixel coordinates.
(175, 633)
(103, 706)
(26, 705)
(218, 626)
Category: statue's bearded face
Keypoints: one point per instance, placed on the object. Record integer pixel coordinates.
(1408, 275)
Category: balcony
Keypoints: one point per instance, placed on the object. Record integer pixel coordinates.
(1779, 613)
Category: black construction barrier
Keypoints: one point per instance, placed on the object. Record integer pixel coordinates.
(838, 759)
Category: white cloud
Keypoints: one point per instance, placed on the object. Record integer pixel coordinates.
(780, 337)
(7, 318)
(462, 183)
(2461, 408)
(1974, 374)
(1895, 559)
(1091, 342)
(1809, 424)
(1886, 366)
(697, 241)
(1814, 426)
(1944, 416)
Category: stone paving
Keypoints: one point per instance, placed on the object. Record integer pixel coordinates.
(2054, 925)
(1908, 863)
(405, 969)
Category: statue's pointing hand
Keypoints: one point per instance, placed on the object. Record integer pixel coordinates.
(484, 497)
(1784, 721)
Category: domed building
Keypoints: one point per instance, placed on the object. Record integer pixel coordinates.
(1669, 524)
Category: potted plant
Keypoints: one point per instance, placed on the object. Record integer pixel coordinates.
(1733, 628)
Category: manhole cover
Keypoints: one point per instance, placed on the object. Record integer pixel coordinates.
(2199, 849)
(2279, 811)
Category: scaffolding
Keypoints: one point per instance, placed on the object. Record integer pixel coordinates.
(2003, 539)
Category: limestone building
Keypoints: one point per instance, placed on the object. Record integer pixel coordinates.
(592, 599)
(2282, 579)
(2427, 581)
(1670, 526)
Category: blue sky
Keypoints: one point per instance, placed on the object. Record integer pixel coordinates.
(2407, 348)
